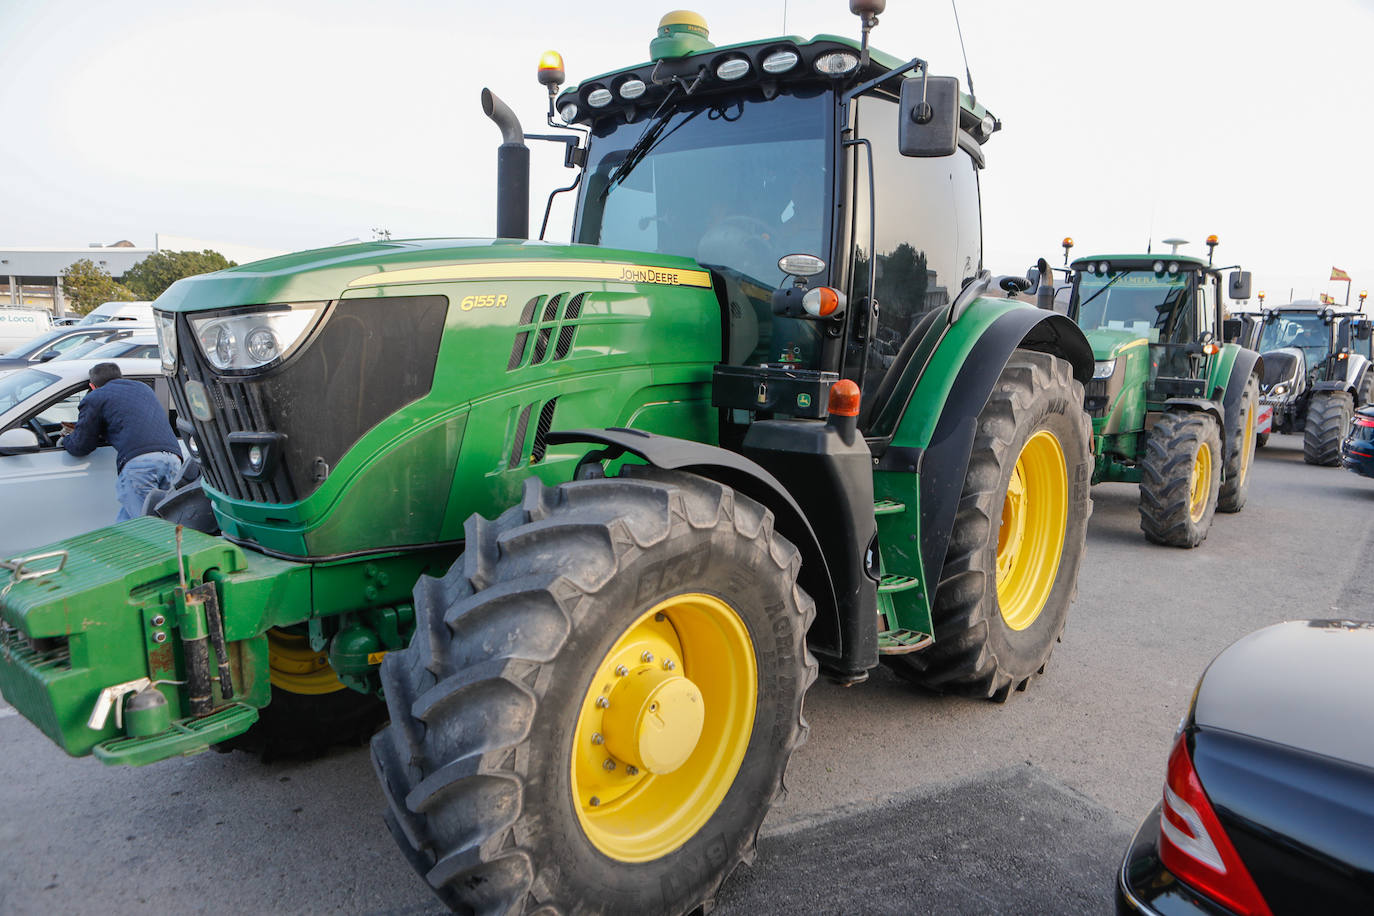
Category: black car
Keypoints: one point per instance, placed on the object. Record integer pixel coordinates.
(1268, 801)
(1357, 451)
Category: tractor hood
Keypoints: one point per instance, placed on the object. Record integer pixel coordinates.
(335, 396)
(1109, 343)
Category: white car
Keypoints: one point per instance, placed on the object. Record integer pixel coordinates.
(141, 311)
(45, 493)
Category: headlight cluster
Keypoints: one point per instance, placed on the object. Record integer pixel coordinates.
(166, 325)
(1279, 390)
(251, 340)
(1104, 369)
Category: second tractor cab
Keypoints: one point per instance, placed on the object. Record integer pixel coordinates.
(1317, 370)
(1173, 405)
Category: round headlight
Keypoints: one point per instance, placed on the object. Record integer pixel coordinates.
(599, 98)
(224, 346)
(632, 89)
(989, 125)
(780, 61)
(1158, 267)
(1173, 267)
(568, 113)
(1103, 267)
(255, 457)
(733, 68)
(836, 63)
(261, 344)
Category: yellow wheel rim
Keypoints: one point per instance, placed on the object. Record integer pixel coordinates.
(296, 668)
(1031, 537)
(1201, 485)
(663, 727)
(1247, 445)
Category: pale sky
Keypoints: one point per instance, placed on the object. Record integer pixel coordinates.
(291, 124)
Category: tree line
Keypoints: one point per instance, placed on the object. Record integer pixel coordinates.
(86, 284)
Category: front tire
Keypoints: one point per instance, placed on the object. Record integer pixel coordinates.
(1180, 478)
(527, 766)
(1328, 421)
(1011, 568)
(1240, 452)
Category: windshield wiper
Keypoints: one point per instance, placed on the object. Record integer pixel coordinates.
(654, 134)
(1106, 287)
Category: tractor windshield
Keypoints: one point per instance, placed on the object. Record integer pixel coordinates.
(1305, 330)
(735, 182)
(1155, 306)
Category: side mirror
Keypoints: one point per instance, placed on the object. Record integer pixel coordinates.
(1033, 278)
(1231, 329)
(1364, 330)
(1239, 286)
(18, 441)
(929, 124)
(47, 355)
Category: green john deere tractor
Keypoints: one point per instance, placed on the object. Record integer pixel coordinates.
(590, 516)
(1173, 406)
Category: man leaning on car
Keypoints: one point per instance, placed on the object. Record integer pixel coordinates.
(127, 415)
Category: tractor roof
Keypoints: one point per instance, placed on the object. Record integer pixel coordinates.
(1184, 261)
(651, 81)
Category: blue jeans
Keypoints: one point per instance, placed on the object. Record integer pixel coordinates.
(142, 475)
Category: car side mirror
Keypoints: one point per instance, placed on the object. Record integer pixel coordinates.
(1239, 285)
(929, 117)
(18, 441)
(47, 355)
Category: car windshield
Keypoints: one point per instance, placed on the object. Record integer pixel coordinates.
(91, 347)
(1297, 329)
(735, 183)
(1140, 301)
(23, 383)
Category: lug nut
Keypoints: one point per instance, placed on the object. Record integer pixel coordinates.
(596, 738)
(602, 702)
(632, 771)
(668, 664)
(647, 656)
(659, 618)
(609, 764)
(621, 670)
(595, 801)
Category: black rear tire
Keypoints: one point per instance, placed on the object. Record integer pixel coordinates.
(1261, 440)
(1168, 515)
(1328, 420)
(488, 701)
(1240, 452)
(976, 651)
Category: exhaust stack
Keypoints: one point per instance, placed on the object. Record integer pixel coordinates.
(512, 170)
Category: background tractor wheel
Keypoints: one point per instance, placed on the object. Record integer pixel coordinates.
(1240, 452)
(600, 700)
(1012, 563)
(311, 710)
(1328, 422)
(1180, 478)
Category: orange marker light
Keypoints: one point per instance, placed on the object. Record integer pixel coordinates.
(551, 69)
(829, 302)
(1211, 349)
(1067, 243)
(844, 399)
(1211, 240)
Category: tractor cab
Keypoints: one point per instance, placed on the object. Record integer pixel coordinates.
(1311, 329)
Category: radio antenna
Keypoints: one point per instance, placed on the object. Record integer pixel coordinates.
(962, 50)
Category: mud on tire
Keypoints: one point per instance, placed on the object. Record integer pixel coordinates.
(976, 652)
(1328, 421)
(477, 765)
(1170, 512)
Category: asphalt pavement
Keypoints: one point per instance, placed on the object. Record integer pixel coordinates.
(901, 802)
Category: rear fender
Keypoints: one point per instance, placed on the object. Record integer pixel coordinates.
(934, 436)
(1201, 405)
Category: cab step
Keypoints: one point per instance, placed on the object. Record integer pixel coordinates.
(894, 583)
(184, 738)
(888, 507)
(900, 642)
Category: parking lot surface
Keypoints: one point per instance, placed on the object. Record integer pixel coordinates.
(901, 801)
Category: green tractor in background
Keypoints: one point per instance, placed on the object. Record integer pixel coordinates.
(589, 517)
(1173, 406)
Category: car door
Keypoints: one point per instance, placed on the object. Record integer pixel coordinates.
(47, 495)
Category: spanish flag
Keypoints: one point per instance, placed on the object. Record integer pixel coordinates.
(1338, 274)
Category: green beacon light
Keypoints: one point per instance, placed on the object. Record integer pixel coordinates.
(680, 33)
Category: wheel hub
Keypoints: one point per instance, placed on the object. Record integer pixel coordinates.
(654, 719)
(1030, 539)
(1200, 487)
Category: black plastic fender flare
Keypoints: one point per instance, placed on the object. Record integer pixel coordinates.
(1201, 405)
(739, 473)
(1247, 363)
(945, 461)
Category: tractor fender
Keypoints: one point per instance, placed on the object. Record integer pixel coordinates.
(944, 462)
(1337, 385)
(1201, 405)
(1247, 363)
(739, 473)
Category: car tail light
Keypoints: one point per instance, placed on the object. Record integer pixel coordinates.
(1193, 845)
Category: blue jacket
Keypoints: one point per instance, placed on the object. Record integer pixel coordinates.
(126, 414)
